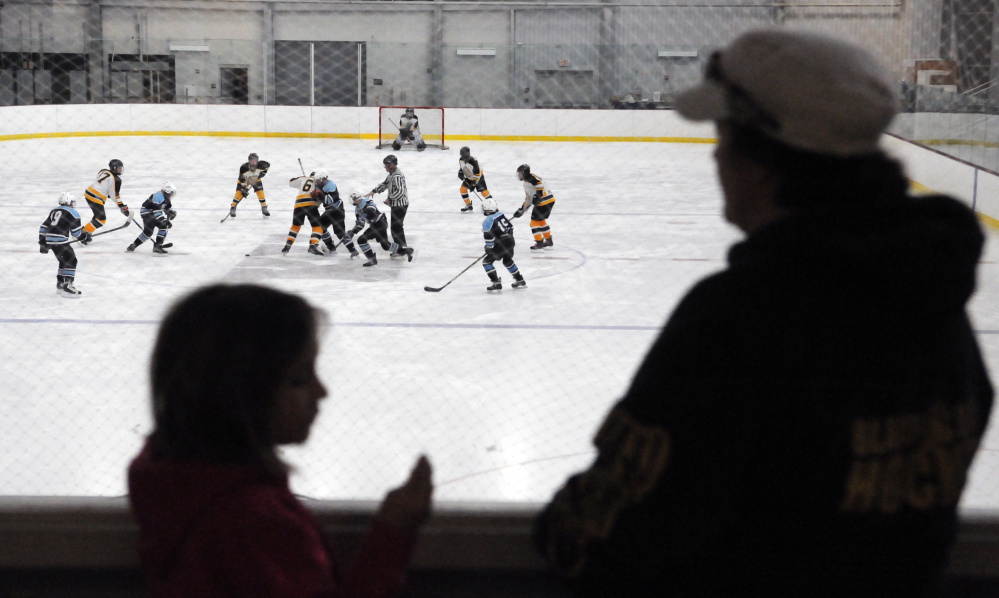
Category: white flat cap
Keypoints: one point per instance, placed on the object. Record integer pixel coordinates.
(809, 91)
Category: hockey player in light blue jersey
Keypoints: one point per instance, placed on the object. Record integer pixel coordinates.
(157, 212)
(367, 213)
(62, 224)
(498, 232)
(333, 216)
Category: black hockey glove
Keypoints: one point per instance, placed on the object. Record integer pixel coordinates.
(171, 214)
(518, 213)
(85, 237)
(124, 209)
(43, 248)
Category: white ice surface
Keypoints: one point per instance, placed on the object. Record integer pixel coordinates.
(503, 391)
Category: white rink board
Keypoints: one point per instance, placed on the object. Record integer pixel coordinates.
(503, 391)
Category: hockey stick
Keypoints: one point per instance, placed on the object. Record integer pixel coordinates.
(246, 194)
(131, 219)
(438, 290)
(300, 166)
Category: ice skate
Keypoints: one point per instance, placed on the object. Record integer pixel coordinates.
(538, 246)
(286, 249)
(264, 211)
(468, 208)
(354, 253)
(549, 243)
(314, 249)
(519, 284)
(131, 247)
(410, 253)
(66, 289)
(372, 261)
(158, 250)
(232, 212)
(496, 286)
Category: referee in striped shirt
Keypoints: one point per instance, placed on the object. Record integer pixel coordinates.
(398, 200)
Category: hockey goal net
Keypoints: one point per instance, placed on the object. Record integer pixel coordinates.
(431, 121)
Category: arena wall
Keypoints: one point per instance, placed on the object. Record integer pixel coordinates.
(932, 170)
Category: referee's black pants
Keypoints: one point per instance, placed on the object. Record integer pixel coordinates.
(398, 217)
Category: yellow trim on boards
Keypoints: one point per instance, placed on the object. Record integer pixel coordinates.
(184, 134)
(924, 190)
(919, 188)
(916, 187)
(968, 142)
(582, 138)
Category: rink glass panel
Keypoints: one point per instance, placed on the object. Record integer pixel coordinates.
(504, 392)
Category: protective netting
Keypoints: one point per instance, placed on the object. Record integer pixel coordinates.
(503, 391)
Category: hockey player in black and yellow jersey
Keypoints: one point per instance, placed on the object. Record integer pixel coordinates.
(307, 206)
(107, 186)
(542, 201)
(249, 177)
(472, 177)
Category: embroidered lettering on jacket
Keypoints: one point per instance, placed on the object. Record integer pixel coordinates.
(916, 460)
(632, 457)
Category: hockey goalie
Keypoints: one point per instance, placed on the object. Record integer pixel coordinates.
(409, 131)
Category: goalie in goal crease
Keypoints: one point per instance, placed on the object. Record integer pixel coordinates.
(409, 131)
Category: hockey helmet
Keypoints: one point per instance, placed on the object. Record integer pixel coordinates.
(390, 159)
(489, 206)
(410, 112)
(252, 157)
(320, 176)
(67, 199)
(116, 166)
(169, 189)
(465, 152)
(355, 198)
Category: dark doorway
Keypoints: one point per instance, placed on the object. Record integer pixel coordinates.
(235, 84)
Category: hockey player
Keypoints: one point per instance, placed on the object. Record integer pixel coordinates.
(398, 201)
(367, 213)
(498, 232)
(249, 177)
(62, 223)
(333, 216)
(543, 202)
(157, 212)
(472, 178)
(307, 206)
(409, 131)
(107, 186)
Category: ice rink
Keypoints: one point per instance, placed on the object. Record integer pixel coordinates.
(503, 391)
